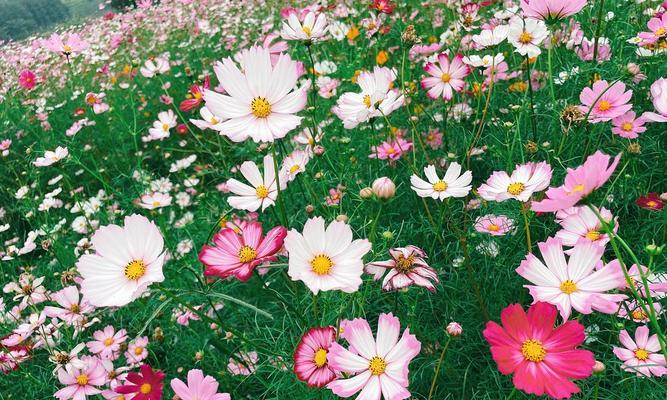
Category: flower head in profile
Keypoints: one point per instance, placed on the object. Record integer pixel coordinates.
(154, 200)
(579, 183)
(153, 67)
(525, 180)
(237, 255)
(51, 157)
(641, 356)
(264, 190)
(126, 261)
(581, 282)
(313, 27)
(199, 387)
(659, 96)
(527, 36)
(195, 95)
(551, 10)
(453, 184)
(379, 365)
(145, 385)
(543, 360)
(446, 77)
(406, 267)
(58, 44)
(603, 102)
(293, 165)
(262, 99)
(310, 357)
(494, 225)
(326, 259)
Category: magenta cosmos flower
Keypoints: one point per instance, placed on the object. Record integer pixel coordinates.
(659, 96)
(551, 9)
(238, 254)
(380, 368)
(525, 180)
(407, 267)
(199, 387)
(146, 385)
(604, 102)
(579, 183)
(581, 282)
(446, 77)
(495, 225)
(310, 357)
(27, 79)
(542, 359)
(642, 355)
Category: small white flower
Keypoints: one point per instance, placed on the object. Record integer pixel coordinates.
(453, 184)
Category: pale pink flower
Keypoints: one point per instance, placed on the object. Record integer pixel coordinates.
(155, 67)
(95, 100)
(73, 44)
(81, 382)
(155, 200)
(642, 355)
(136, 350)
(107, 343)
(527, 36)
(446, 77)
(264, 190)
(199, 387)
(312, 27)
(526, 179)
(659, 96)
(453, 184)
(407, 267)
(633, 311)
(547, 10)
(582, 224)
(243, 363)
(628, 126)
(51, 157)
(72, 308)
(603, 102)
(495, 225)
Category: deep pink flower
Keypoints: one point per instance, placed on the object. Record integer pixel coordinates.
(628, 126)
(642, 355)
(310, 357)
(27, 79)
(651, 202)
(407, 267)
(542, 359)
(603, 102)
(146, 385)
(196, 95)
(383, 6)
(238, 254)
(446, 77)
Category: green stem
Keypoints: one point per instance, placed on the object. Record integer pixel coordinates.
(281, 203)
(437, 368)
(526, 226)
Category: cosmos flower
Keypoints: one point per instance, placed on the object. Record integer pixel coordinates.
(632, 310)
(659, 96)
(525, 180)
(628, 126)
(73, 44)
(495, 225)
(453, 184)
(155, 200)
(550, 10)
(27, 79)
(107, 342)
(261, 99)
(446, 77)
(158, 66)
(72, 308)
(527, 36)
(581, 224)
(237, 254)
(146, 385)
(313, 27)
(378, 367)
(572, 283)
(642, 355)
(199, 387)
(383, 6)
(196, 95)
(491, 37)
(263, 192)
(603, 102)
(51, 157)
(81, 382)
(293, 165)
(578, 183)
(326, 259)
(543, 360)
(126, 261)
(391, 150)
(651, 202)
(162, 127)
(310, 357)
(407, 267)
(136, 350)
(208, 121)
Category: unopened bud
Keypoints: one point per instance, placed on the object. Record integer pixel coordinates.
(454, 329)
(387, 235)
(384, 188)
(199, 355)
(342, 218)
(598, 367)
(653, 249)
(366, 193)
(318, 150)
(310, 208)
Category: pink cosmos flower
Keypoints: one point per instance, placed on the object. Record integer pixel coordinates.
(628, 126)
(495, 225)
(155, 200)
(243, 363)
(146, 385)
(72, 308)
(572, 283)
(310, 357)
(107, 343)
(642, 355)
(407, 267)
(657, 283)
(199, 387)
(27, 79)
(551, 9)
(586, 50)
(197, 95)
(542, 359)
(238, 254)
(81, 382)
(525, 180)
(582, 224)
(433, 138)
(579, 183)
(633, 311)
(136, 350)
(604, 102)
(446, 77)
(51, 157)
(73, 44)
(95, 100)
(392, 150)
(658, 27)
(659, 96)
(380, 367)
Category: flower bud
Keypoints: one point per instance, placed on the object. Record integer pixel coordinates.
(310, 208)
(384, 188)
(342, 218)
(454, 329)
(633, 68)
(598, 367)
(366, 193)
(653, 249)
(318, 150)
(387, 235)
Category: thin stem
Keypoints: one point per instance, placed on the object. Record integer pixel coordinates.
(597, 31)
(281, 203)
(437, 368)
(375, 223)
(526, 225)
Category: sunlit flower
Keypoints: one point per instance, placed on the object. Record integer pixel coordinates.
(263, 192)
(453, 184)
(582, 224)
(51, 157)
(199, 387)
(155, 67)
(73, 44)
(628, 126)
(550, 10)
(604, 102)
(107, 342)
(155, 200)
(146, 385)
(446, 77)
(81, 382)
(527, 36)
(526, 179)
(313, 27)
(72, 308)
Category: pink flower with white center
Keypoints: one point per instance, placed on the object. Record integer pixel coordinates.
(579, 183)
(379, 365)
(107, 343)
(263, 192)
(310, 357)
(73, 44)
(136, 350)
(495, 225)
(51, 157)
(81, 382)
(584, 225)
(446, 77)
(407, 267)
(158, 66)
(155, 200)
(199, 387)
(633, 311)
(312, 27)
(453, 184)
(572, 283)
(628, 126)
(525, 180)
(550, 10)
(603, 102)
(642, 355)
(237, 254)
(659, 96)
(527, 36)
(391, 150)
(72, 309)
(261, 99)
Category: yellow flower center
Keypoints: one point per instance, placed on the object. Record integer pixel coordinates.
(145, 388)
(377, 365)
(247, 254)
(579, 188)
(75, 308)
(260, 107)
(516, 188)
(82, 380)
(67, 49)
(641, 354)
(320, 358)
(138, 350)
(391, 150)
(660, 31)
(604, 105)
(165, 127)
(568, 287)
(494, 228)
(321, 264)
(446, 77)
(307, 30)
(367, 101)
(91, 100)
(108, 342)
(525, 37)
(532, 350)
(651, 204)
(639, 315)
(403, 264)
(135, 269)
(214, 121)
(440, 186)
(627, 126)
(593, 235)
(262, 192)
(294, 168)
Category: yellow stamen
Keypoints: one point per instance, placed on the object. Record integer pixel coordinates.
(321, 264)
(446, 77)
(593, 235)
(568, 287)
(377, 365)
(604, 105)
(82, 380)
(641, 354)
(532, 350)
(294, 168)
(516, 188)
(138, 350)
(525, 37)
(262, 192)
(639, 315)
(367, 101)
(145, 388)
(135, 269)
(247, 254)
(320, 358)
(108, 342)
(307, 30)
(627, 126)
(165, 127)
(403, 264)
(440, 186)
(260, 107)
(579, 188)
(493, 228)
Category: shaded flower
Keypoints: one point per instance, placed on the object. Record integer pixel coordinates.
(407, 267)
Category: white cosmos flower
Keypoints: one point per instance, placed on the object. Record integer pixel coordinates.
(152, 68)
(263, 192)
(527, 35)
(209, 120)
(162, 127)
(261, 100)
(491, 37)
(326, 259)
(154, 200)
(51, 157)
(126, 261)
(453, 184)
(313, 27)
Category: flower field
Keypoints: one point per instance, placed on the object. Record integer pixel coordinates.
(368, 199)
